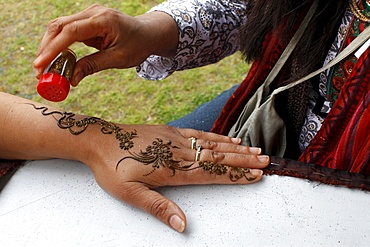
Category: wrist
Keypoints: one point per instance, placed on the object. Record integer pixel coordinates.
(164, 37)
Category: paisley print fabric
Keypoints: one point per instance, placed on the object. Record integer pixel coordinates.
(208, 32)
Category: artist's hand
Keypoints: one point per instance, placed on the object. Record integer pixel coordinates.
(162, 156)
(123, 41)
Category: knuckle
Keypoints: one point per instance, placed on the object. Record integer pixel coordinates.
(94, 6)
(108, 12)
(91, 67)
(211, 144)
(96, 9)
(98, 15)
(217, 157)
(54, 26)
(187, 132)
(200, 133)
(159, 207)
(104, 14)
(72, 28)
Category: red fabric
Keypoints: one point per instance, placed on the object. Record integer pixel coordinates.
(256, 76)
(343, 141)
(272, 48)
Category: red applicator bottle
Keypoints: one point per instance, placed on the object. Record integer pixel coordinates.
(54, 83)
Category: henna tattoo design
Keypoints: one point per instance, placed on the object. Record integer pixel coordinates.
(213, 167)
(76, 127)
(236, 173)
(159, 155)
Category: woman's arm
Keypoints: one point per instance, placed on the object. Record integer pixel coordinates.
(175, 35)
(26, 134)
(128, 161)
(208, 32)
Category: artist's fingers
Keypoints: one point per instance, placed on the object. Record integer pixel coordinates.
(101, 60)
(62, 34)
(92, 26)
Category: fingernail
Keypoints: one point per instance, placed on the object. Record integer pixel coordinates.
(254, 150)
(37, 73)
(263, 158)
(177, 223)
(256, 173)
(236, 140)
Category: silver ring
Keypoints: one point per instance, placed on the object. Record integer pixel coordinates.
(197, 154)
(193, 142)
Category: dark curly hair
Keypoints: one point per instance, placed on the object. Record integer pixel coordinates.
(265, 16)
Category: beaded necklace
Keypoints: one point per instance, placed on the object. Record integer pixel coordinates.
(361, 14)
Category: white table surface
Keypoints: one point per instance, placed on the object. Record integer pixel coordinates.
(58, 203)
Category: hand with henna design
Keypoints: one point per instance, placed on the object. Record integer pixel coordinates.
(153, 162)
(128, 161)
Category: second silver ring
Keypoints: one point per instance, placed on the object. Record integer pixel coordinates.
(197, 154)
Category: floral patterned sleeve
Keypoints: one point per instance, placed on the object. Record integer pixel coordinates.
(207, 34)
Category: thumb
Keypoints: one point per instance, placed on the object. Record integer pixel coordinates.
(93, 63)
(157, 205)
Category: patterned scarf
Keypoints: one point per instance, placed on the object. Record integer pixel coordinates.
(343, 141)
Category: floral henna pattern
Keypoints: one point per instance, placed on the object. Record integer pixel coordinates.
(213, 167)
(236, 173)
(76, 127)
(158, 155)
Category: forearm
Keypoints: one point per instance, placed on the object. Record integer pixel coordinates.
(208, 32)
(25, 133)
(162, 32)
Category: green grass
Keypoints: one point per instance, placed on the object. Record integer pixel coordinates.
(116, 95)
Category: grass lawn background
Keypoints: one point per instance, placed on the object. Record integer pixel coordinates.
(115, 95)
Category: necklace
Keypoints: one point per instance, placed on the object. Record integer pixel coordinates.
(358, 12)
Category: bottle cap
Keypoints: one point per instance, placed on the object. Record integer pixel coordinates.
(53, 87)
(54, 83)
